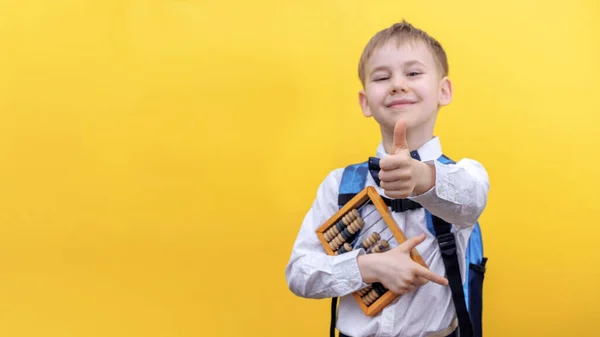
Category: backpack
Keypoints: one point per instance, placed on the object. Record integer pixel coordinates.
(467, 296)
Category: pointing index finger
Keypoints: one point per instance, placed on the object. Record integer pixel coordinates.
(433, 277)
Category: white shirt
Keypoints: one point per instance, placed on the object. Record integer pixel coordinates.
(459, 197)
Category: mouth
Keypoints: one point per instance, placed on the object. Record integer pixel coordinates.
(398, 103)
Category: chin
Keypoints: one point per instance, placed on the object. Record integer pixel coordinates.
(404, 110)
(406, 115)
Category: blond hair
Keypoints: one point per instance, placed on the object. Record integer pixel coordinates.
(403, 31)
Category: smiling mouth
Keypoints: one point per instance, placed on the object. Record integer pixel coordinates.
(400, 104)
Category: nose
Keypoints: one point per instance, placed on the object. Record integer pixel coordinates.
(398, 84)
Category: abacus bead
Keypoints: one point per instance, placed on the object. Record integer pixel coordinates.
(331, 233)
(332, 246)
(372, 239)
(371, 296)
(367, 243)
(335, 243)
(380, 246)
(379, 289)
(346, 247)
(328, 236)
(347, 218)
(339, 226)
(355, 226)
(339, 241)
(338, 237)
(363, 291)
(376, 237)
(346, 234)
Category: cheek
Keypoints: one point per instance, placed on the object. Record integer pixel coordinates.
(422, 90)
(376, 97)
(427, 95)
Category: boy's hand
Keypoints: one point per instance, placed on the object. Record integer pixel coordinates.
(396, 270)
(400, 174)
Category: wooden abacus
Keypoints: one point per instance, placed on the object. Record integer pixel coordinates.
(347, 230)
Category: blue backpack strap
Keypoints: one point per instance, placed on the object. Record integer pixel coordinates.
(476, 262)
(353, 181)
(467, 296)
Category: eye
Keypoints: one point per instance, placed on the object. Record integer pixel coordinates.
(380, 78)
(414, 73)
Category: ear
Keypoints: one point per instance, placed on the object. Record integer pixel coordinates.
(446, 91)
(364, 103)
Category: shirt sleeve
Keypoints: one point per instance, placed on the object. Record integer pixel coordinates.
(460, 192)
(311, 272)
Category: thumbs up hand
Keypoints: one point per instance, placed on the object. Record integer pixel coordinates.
(400, 174)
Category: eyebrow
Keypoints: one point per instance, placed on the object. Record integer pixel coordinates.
(415, 62)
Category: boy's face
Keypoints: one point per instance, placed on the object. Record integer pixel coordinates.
(404, 82)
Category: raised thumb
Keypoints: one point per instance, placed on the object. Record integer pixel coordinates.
(399, 136)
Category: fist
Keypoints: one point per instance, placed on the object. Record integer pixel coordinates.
(398, 170)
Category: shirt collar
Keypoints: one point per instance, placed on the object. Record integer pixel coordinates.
(429, 151)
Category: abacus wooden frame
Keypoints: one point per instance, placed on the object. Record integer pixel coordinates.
(369, 193)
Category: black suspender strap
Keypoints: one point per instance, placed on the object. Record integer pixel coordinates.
(447, 245)
(397, 205)
(333, 316)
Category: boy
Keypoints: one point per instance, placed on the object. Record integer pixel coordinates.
(404, 73)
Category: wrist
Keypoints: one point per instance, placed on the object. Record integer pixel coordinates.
(366, 266)
(425, 177)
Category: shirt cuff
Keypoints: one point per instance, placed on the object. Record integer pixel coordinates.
(442, 190)
(346, 268)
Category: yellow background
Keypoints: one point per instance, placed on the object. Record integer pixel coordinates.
(157, 158)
